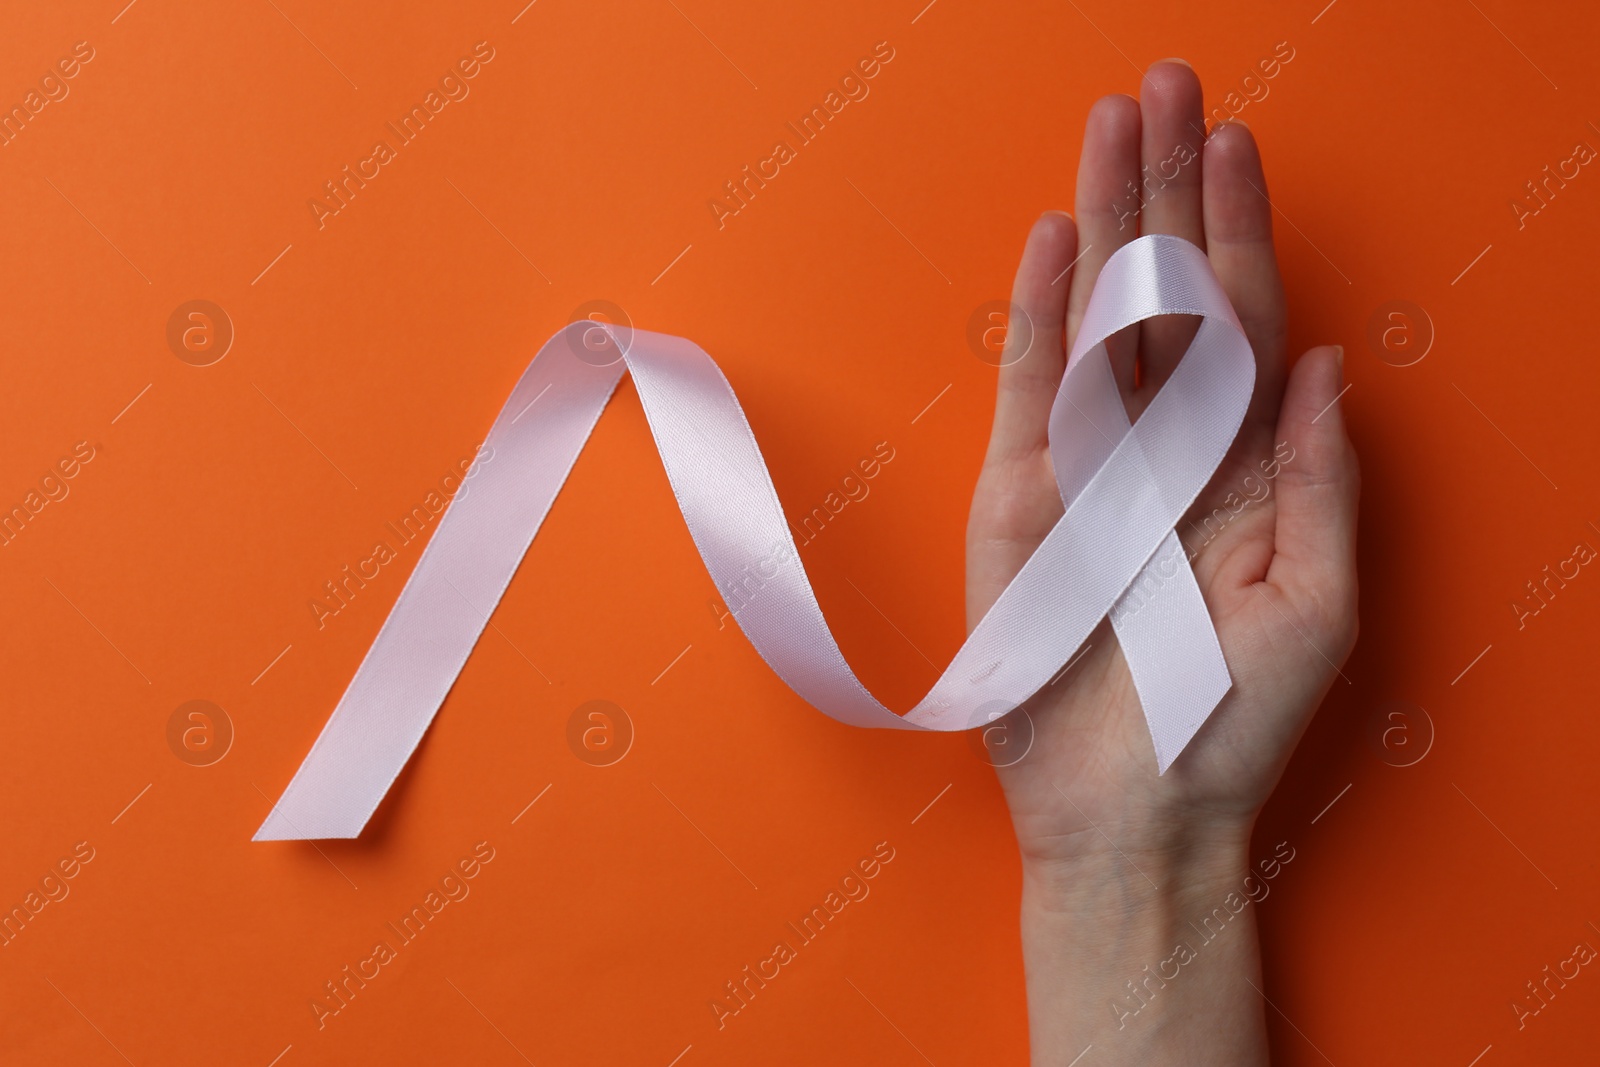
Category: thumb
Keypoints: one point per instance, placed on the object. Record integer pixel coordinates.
(1314, 559)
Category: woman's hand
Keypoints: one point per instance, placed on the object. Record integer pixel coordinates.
(1114, 853)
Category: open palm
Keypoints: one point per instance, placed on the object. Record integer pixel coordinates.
(1271, 539)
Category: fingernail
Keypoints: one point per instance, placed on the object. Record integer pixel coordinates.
(1058, 211)
(1176, 59)
(1338, 362)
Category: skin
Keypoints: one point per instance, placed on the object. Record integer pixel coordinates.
(1118, 860)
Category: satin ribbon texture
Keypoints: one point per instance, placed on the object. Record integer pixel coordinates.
(1114, 551)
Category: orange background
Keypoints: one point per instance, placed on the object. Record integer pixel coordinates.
(373, 353)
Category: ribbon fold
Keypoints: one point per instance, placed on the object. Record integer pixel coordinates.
(1113, 552)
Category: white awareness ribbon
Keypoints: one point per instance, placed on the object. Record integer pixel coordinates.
(1125, 487)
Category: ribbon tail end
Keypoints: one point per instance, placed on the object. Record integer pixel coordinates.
(1178, 729)
(279, 827)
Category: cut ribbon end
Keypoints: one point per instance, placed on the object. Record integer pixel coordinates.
(1173, 733)
(327, 825)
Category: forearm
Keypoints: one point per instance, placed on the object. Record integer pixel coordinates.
(1150, 959)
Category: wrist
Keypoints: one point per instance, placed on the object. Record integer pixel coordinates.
(1124, 943)
(1120, 907)
(1160, 856)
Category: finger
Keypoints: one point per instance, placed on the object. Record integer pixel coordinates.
(1033, 359)
(1319, 483)
(1172, 141)
(1238, 225)
(1107, 213)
